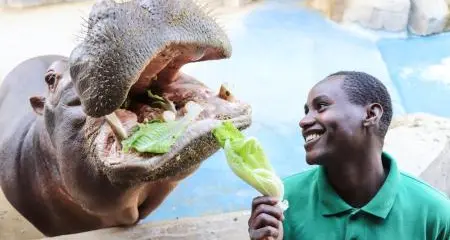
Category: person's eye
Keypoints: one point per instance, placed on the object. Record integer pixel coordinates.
(321, 106)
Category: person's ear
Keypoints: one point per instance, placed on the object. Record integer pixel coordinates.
(374, 112)
(37, 103)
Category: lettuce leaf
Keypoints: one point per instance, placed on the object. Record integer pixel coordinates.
(227, 131)
(161, 102)
(246, 158)
(157, 136)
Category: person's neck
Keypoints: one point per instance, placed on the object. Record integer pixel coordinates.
(358, 177)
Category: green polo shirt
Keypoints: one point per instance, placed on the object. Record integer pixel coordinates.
(404, 208)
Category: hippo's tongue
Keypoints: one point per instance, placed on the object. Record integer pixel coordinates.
(169, 127)
(161, 109)
(158, 137)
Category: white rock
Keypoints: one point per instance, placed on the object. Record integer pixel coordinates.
(428, 16)
(389, 15)
(236, 3)
(333, 9)
(421, 145)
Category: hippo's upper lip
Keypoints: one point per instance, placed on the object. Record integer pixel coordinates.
(122, 55)
(74, 102)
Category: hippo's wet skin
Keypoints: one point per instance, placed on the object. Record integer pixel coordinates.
(61, 161)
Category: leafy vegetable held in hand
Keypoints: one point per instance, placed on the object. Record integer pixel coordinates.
(157, 136)
(248, 161)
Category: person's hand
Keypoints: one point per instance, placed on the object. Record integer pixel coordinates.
(266, 219)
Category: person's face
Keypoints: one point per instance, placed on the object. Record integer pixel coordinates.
(332, 126)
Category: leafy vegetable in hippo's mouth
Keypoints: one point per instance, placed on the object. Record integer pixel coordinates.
(161, 102)
(248, 161)
(157, 136)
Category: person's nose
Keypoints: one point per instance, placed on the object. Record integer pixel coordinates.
(307, 121)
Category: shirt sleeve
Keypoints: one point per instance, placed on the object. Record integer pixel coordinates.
(445, 229)
(442, 222)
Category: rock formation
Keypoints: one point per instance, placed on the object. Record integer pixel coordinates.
(421, 144)
(333, 9)
(420, 17)
(429, 16)
(390, 15)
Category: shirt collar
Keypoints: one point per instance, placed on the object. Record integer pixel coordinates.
(380, 205)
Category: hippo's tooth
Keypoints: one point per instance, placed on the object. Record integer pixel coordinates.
(116, 126)
(168, 116)
(225, 93)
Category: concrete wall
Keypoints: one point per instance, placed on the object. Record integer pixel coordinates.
(230, 226)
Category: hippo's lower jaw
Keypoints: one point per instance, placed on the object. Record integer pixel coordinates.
(194, 146)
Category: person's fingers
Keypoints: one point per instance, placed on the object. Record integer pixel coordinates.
(262, 220)
(258, 201)
(264, 233)
(274, 211)
(263, 200)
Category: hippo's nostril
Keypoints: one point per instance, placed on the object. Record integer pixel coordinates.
(74, 102)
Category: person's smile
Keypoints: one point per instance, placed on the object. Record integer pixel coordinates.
(311, 137)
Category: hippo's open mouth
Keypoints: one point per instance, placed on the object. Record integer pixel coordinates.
(165, 99)
(155, 97)
(127, 70)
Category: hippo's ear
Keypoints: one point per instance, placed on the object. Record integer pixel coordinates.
(37, 103)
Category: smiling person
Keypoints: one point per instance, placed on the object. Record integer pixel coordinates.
(357, 190)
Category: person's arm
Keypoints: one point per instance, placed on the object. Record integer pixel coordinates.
(265, 222)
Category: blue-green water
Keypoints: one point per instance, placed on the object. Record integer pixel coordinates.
(279, 52)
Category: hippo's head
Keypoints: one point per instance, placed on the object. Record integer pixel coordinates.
(136, 46)
(102, 90)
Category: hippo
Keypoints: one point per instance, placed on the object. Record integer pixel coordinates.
(62, 118)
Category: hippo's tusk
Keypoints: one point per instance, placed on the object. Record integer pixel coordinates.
(116, 126)
(225, 93)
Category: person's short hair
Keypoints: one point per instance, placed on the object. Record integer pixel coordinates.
(362, 89)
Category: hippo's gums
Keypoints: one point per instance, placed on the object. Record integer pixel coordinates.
(62, 119)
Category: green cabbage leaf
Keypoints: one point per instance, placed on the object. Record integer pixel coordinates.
(159, 136)
(247, 159)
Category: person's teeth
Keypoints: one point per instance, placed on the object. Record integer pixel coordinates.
(312, 137)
